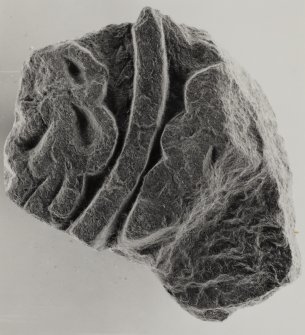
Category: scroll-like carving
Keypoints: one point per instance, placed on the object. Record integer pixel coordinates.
(149, 140)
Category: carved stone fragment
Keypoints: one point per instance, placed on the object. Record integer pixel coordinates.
(148, 139)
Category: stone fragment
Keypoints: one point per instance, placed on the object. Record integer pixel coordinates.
(148, 139)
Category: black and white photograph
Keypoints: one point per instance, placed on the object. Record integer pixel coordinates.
(152, 173)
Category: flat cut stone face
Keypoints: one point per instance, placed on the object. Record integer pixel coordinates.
(148, 139)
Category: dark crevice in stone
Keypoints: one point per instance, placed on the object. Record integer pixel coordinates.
(83, 125)
(74, 71)
(31, 142)
(28, 98)
(214, 155)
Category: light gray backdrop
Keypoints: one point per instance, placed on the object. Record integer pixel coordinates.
(51, 284)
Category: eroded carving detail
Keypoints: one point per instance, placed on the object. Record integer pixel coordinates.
(146, 138)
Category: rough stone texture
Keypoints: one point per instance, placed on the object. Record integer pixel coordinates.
(147, 139)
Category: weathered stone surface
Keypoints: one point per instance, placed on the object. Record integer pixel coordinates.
(147, 139)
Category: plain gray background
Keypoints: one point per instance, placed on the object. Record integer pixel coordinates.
(52, 284)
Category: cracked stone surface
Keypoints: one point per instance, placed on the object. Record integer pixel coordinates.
(148, 139)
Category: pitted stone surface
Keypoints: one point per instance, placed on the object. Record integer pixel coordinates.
(148, 139)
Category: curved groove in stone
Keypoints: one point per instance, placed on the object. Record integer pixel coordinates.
(83, 125)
